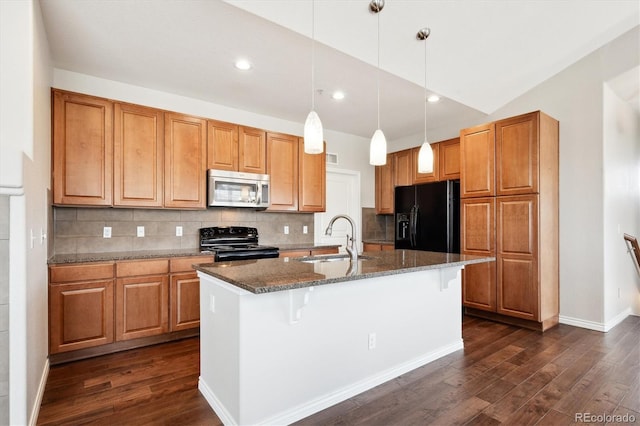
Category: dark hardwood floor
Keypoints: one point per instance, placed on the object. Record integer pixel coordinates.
(504, 375)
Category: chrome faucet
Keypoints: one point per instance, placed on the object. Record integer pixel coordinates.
(351, 246)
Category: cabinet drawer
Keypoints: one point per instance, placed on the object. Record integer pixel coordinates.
(80, 272)
(142, 267)
(183, 264)
(294, 253)
(332, 250)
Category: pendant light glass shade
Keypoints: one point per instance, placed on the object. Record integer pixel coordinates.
(378, 149)
(313, 138)
(425, 158)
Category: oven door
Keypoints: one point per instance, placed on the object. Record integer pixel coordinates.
(235, 189)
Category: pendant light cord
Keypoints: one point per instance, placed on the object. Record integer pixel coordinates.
(378, 74)
(313, 55)
(425, 90)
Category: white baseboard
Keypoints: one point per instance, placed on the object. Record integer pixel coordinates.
(597, 326)
(35, 409)
(300, 412)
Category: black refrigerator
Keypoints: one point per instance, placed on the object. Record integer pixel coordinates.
(427, 216)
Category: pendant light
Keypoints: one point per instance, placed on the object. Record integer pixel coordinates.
(425, 155)
(378, 147)
(313, 138)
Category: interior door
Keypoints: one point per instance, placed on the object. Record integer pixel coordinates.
(343, 197)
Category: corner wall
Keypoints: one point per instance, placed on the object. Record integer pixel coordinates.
(621, 147)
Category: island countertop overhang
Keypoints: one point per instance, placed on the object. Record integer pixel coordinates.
(270, 275)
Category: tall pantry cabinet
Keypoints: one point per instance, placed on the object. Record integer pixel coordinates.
(509, 210)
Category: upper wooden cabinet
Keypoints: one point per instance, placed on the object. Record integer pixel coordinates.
(449, 159)
(138, 153)
(282, 167)
(312, 170)
(222, 145)
(434, 176)
(252, 150)
(82, 157)
(185, 161)
(403, 167)
(477, 161)
(385, 187)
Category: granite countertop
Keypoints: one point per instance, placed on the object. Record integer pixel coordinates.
(123, 255)
(152, 254)
(374, 241)
(269, 275)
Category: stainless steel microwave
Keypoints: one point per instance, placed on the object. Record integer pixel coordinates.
(237, 189)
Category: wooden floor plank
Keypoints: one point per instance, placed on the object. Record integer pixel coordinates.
(504, 375)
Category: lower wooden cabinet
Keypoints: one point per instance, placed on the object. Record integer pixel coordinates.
(142, 306)
(377, 246)
(308, 252)
(93, 305)
(81, 310)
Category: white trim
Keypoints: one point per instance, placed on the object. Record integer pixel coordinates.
(35, 410)
(305, 410)
(11, 190)
(597, 326)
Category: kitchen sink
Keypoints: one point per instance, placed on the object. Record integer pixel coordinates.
(329, 258)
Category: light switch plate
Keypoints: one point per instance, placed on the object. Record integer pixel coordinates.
(305, 229)
(178, 231)
(106, 232)
(286, 229)
(140, 232)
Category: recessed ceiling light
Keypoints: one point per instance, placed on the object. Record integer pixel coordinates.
(243, 64)
(338, 95)
(433, 98)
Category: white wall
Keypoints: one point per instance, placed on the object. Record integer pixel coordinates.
(353, 151)
(621, 147)
(25, 175)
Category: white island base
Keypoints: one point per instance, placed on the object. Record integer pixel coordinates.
(275, 358)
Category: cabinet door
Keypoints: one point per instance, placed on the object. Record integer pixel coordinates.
(312, 190)
(384, 187)
(222, 146)
(252, 150)
(517, 155)
(185, 161)
(403, 167)
(80, 315)
(82, 149)
(282, 168)
(138, 152)
(435, 174)
(477, 161)
(449, 156)
(142, 306)
(477, 233)
(185, 301)
(517, 235)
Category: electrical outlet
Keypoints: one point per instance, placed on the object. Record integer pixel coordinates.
(178, 231)
(372, 341)
(106, 232)
(140, 232)
(286, 229)
(305, 229)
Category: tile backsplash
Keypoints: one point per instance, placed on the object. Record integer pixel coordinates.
(79, 230)
(376, 226)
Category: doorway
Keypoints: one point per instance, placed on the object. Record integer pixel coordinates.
(343, 197)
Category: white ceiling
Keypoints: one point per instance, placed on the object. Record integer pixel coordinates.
(480, 55)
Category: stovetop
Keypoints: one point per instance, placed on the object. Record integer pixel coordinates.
(231, 242)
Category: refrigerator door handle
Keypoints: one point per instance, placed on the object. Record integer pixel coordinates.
(412, 226)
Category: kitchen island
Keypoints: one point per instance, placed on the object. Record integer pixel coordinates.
(284, 338)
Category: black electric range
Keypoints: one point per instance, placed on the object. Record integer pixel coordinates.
(234, 243)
